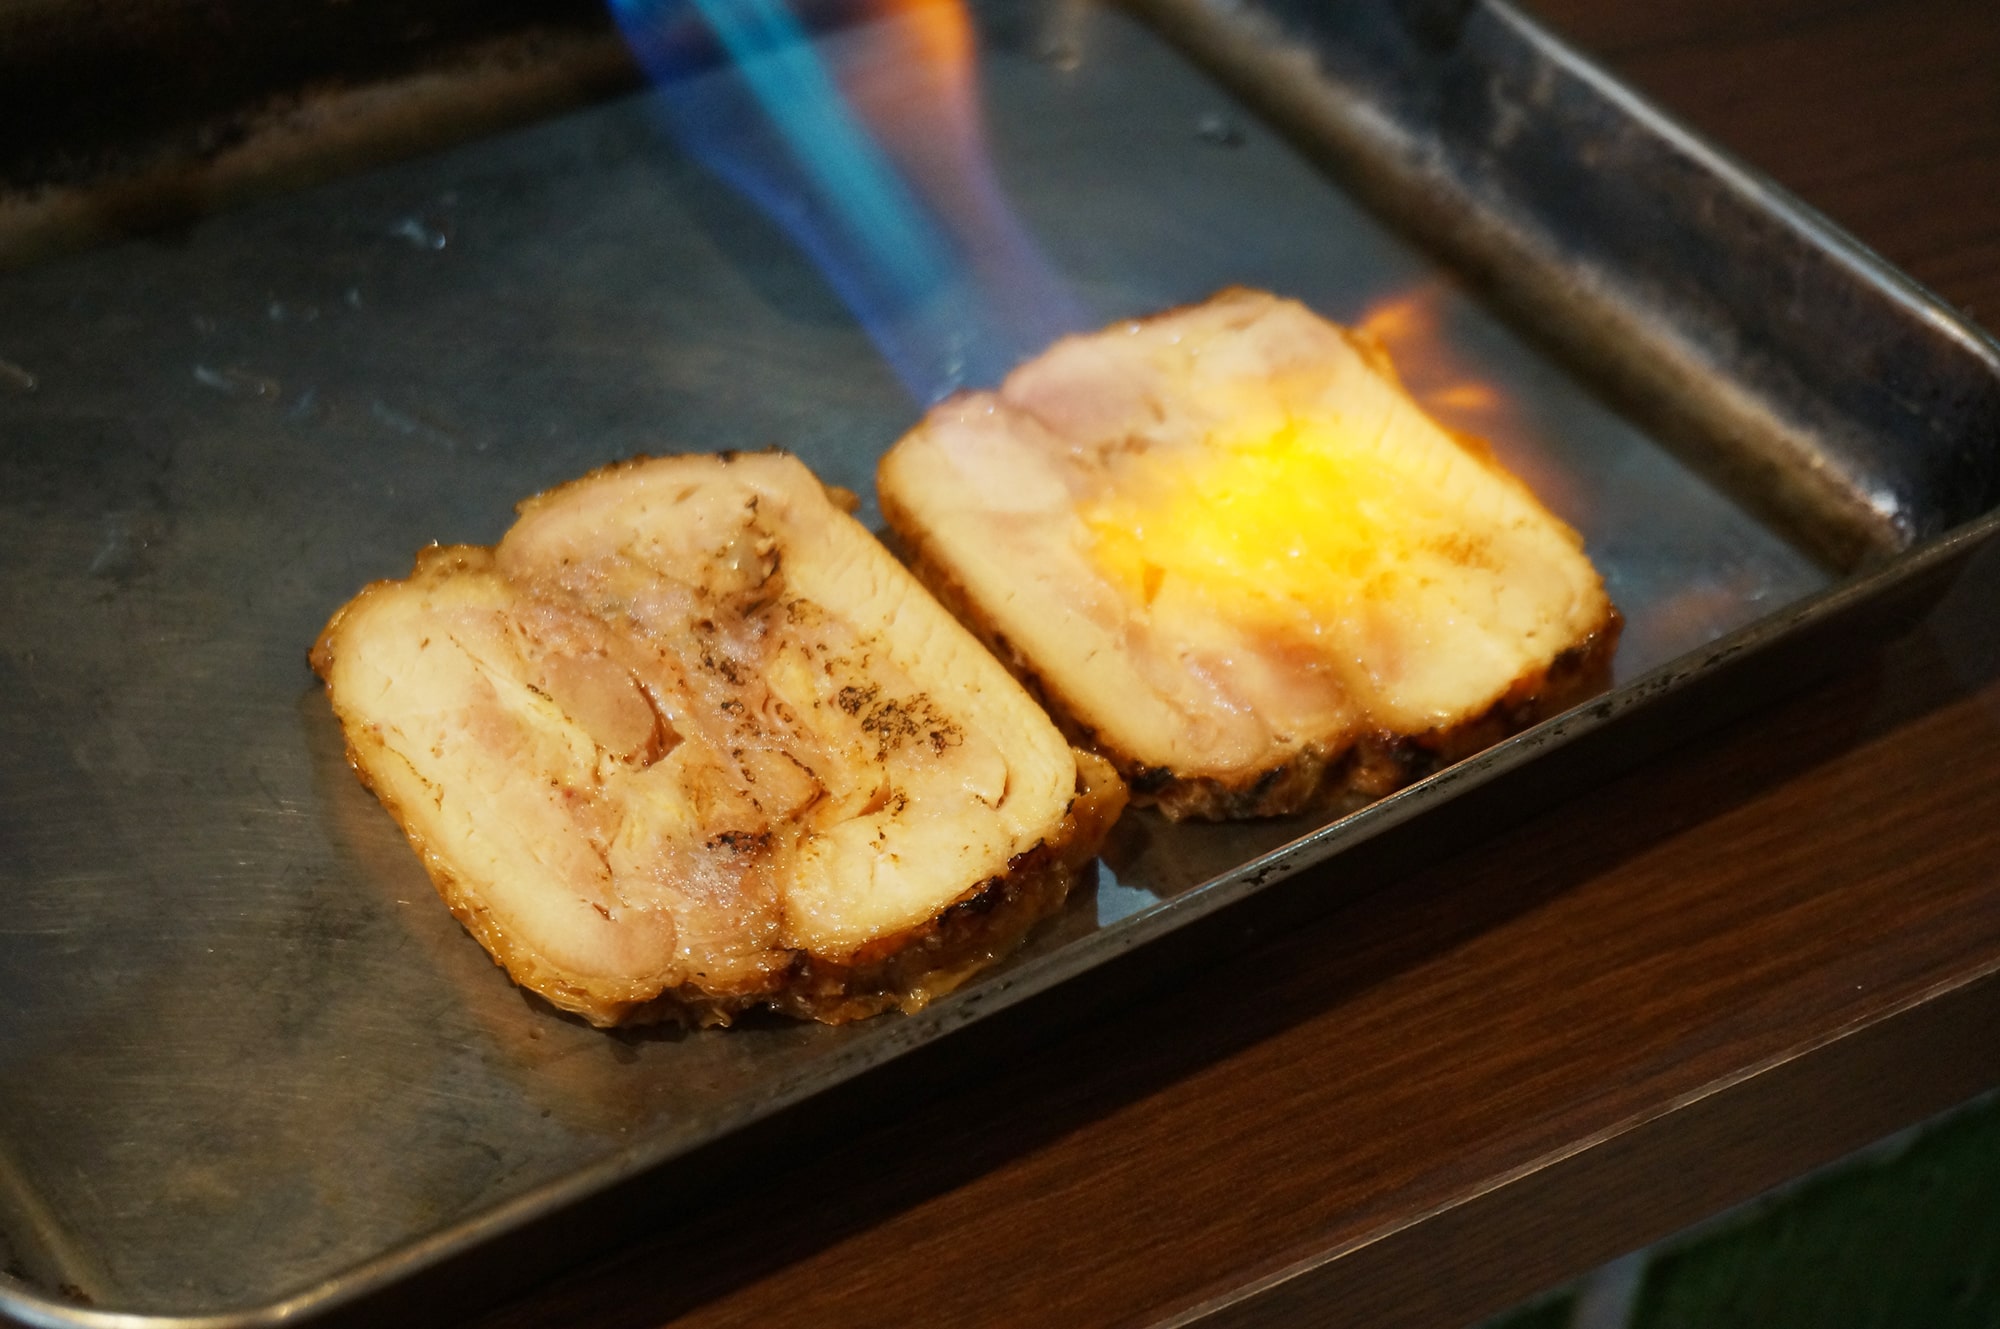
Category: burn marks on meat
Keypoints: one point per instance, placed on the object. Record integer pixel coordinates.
(1465, 549)
(743, 843)
(800, 612)
(894, 723)
(898, 721)
(660, 741)
(719, 663)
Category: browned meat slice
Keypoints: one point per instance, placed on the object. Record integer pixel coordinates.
(689, 741)
(1232, 554)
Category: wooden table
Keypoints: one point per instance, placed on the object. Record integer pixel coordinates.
(1732, 964)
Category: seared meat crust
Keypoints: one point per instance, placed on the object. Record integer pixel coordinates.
(1227, 551)
(688, 742)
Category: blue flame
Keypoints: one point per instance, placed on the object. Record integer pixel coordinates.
(947, 305)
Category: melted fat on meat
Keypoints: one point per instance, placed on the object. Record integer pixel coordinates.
(1234, 555)
(689, 732)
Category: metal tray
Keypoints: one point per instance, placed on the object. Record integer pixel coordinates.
(250, 1070)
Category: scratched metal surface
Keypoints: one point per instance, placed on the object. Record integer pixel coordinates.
(244, 1052)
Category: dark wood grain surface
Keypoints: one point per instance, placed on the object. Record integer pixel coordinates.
(1732, 964)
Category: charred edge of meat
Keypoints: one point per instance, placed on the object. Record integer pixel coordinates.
(909, 969)
(906, 970)
(981, 927)
(1316, 778)
(1376, 765)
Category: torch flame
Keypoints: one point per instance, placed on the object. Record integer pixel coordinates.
(867, 146)
(1411, 328)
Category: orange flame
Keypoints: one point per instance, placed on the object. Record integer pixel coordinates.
(910, 71)
(860, 134)
(1411, 328)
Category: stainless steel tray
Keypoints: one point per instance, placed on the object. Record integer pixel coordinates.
(250, 1070)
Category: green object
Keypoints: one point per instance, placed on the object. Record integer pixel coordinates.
(1548, 1313)
(1910, 1240)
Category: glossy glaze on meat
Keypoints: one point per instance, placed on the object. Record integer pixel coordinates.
(1231, 553)
(689, 741)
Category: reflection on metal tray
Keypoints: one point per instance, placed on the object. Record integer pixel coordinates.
(249, 1067)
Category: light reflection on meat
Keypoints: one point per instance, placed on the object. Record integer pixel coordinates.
(689, 742)
(1231, 552)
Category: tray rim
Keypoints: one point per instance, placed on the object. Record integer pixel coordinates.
(1759, 187)
(1041, 974)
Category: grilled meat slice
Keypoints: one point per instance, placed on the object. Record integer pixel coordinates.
(1229, 551)
(689, 741)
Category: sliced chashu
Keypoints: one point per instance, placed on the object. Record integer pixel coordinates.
(1230, 552)
(689, 741)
